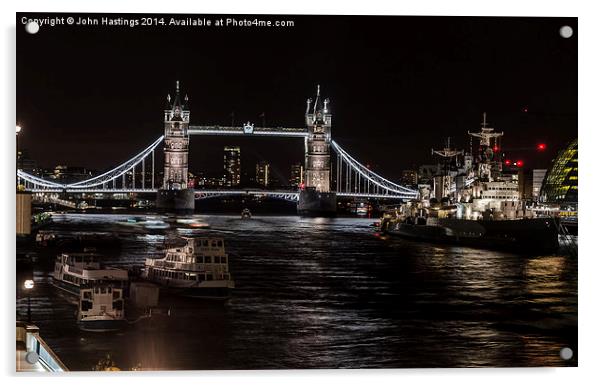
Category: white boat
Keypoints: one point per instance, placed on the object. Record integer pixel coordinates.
(198, 268)
(101, 308)
(76, 270)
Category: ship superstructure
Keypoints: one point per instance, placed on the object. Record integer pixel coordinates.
(472, 201)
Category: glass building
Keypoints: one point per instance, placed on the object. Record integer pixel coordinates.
(262, 173)
(231, 166)
(560, 183)
(296, 175)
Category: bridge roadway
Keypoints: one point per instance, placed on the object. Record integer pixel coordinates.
(204, 194)
(248, 130)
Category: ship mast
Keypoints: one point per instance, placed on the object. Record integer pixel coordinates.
(447, 151)
(487, 133)
(442, 183)
(487, 151)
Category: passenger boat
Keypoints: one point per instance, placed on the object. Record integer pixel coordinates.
(76, 270)
(101, 308)
(198, 267)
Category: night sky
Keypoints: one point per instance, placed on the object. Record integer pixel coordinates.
(94, 96)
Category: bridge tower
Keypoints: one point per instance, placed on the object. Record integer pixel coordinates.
(315, 197)
(175, 194)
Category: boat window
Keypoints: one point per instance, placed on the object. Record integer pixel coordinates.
(205, 242)
(199, 259)
(223, 259)
(207, 259)
(213, 243)
(118, 304)
(86, 305)
(115, 294)
(219, 243)
(209, 277)
(87, 295)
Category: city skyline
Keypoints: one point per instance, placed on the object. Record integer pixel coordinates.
(474, 67)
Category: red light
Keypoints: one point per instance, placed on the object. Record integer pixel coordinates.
(496, 148)
(519, 163)
(541, 146)
(507, 162)
(525, 109)
(301, 185)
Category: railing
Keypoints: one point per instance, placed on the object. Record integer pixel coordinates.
(29, 335)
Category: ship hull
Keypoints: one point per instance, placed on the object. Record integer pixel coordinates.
(215, 290)
(538, 235)
(102, 325)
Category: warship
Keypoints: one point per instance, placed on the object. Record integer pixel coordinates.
(474, 203)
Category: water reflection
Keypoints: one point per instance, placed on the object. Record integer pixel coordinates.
(328, 293)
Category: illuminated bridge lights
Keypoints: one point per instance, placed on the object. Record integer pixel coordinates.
(352, 178)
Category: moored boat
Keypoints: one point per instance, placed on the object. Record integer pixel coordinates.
(198, 267)
(101, 308)
(73, 271)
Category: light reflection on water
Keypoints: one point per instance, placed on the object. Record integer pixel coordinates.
(327, 293)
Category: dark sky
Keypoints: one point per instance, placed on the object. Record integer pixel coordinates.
(94, 96)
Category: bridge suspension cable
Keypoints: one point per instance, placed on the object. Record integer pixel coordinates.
(349, 178)
(113, 175)
(354, 179)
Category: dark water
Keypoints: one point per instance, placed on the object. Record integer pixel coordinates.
(331, 293)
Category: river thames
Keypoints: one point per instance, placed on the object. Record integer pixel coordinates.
(324, 293)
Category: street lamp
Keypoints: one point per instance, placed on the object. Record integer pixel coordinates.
(17, 166)
(28, 285)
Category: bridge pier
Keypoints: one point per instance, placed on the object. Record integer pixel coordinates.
(313, 203)
(177, 201)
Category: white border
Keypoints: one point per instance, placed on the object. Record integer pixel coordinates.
(590, 66)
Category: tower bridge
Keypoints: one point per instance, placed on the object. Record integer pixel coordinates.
(331, 172)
